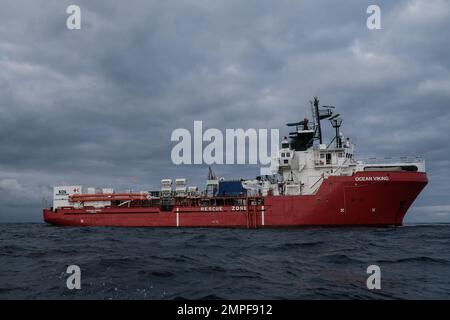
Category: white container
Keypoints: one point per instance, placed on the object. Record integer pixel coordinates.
(107, 190)
(92, 190)
(166, 182)
(61, 195)
(180, 181)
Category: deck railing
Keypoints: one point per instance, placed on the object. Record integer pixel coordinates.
(387, 160)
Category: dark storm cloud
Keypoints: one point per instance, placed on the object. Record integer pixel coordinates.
(97, 106)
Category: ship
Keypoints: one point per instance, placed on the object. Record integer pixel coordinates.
(312, 183)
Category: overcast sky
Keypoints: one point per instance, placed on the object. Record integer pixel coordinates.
(96, 106)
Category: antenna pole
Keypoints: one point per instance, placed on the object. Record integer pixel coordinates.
(316, 110)
(337, 137)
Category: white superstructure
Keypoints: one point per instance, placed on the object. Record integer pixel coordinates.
(303, 165)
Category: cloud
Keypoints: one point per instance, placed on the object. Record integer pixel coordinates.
(436, 213)
(9, 185)
(18, 201)
(97, 106)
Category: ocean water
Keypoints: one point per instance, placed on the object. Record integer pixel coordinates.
(146, 263)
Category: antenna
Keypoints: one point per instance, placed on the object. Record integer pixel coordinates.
(303, 137)
(334, 117)
(317, 118)
(336, 123)
(211, 175)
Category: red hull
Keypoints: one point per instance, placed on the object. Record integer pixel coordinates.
(366, 198)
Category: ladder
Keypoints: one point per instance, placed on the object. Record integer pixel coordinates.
(251, 213)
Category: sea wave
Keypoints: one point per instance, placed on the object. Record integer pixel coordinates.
(199, 263)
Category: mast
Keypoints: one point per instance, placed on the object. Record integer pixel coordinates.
(320, 114)
(336, 123)
(317, 118)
